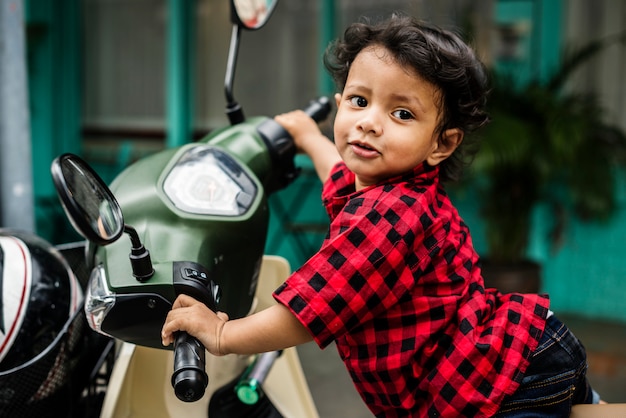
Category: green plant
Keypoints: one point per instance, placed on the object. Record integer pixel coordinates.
(545, 143)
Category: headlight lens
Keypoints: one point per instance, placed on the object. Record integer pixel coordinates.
(99, 299)
(207, 181)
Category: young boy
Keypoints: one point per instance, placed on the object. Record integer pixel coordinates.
(397, 284)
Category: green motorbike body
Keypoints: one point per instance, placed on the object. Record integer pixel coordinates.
(229, 246)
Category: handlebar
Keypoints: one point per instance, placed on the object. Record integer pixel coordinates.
(318, 109)
(189, 378)
(281, 147)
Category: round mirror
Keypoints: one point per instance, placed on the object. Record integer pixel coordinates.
(87, 201)
(252, 14)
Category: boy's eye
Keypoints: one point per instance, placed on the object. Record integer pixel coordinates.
(358, 101)
(403, 114)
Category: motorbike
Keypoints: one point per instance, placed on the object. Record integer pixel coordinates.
(197, 220)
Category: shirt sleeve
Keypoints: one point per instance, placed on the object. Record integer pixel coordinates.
(361, 270)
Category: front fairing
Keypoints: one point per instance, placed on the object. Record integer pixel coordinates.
(177, 221)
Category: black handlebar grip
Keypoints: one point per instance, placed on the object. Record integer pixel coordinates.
(189, 378)
(318, 109)
(281, 147)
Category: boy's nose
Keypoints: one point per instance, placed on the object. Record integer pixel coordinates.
(370, 123)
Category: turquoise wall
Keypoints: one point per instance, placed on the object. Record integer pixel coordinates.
(538, 27)
(585, 274)
(53, 43)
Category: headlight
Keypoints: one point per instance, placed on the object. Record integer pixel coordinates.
(207, 181)
(99, 299)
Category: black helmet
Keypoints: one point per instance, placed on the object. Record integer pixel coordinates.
(39, 298)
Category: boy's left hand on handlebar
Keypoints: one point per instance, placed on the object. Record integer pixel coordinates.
(301, 128)
(309, 139)
(196, 319)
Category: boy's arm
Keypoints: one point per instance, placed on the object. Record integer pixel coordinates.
(272, 329)
(310, 140)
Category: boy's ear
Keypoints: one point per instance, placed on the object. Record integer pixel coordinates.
(337, 100)
(447, 143)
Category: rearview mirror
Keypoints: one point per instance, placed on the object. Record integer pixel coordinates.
(252, 14)
(87, 201)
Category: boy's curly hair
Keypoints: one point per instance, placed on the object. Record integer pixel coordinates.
(437, 55)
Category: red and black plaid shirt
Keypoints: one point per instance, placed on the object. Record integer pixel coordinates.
(397, 285)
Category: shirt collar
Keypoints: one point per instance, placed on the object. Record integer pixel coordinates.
(423, 174)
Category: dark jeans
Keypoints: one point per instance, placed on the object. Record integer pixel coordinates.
(555, 379)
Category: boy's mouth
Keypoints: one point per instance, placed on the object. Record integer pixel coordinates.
(363, 149)
(361, 145)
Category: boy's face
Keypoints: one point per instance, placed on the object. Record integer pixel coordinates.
(386, 119)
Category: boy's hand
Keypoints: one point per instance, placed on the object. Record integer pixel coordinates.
(301, 128)
(310, 140)
(196, 319)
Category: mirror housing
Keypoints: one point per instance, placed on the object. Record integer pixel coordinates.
(87, 201)
(246, 14)
(251, 14)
